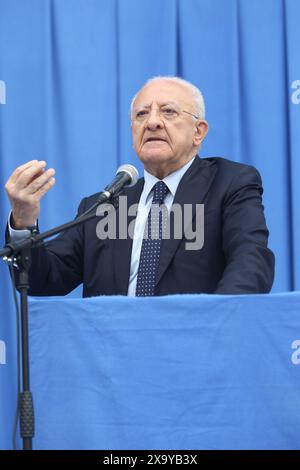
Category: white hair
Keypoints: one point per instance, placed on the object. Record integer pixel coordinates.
(199, 105)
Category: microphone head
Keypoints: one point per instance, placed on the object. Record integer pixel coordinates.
(131, 171)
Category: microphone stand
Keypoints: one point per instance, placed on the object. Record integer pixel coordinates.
(19, 254)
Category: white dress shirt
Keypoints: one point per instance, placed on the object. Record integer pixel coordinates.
(172, 181)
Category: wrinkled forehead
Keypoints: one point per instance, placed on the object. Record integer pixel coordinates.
(162, 92)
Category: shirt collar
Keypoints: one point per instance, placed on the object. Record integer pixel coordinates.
(172, 180)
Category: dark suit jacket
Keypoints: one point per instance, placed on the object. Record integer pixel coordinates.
(234, 259)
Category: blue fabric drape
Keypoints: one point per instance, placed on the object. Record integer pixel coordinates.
(174, 372)
(71, 68)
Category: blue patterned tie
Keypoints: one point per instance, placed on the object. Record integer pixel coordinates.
(150, 251)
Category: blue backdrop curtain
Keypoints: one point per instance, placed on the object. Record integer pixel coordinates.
(68, 71)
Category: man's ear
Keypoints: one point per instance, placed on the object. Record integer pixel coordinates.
(201, 131)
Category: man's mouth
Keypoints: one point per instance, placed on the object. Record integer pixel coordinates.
(154, 139)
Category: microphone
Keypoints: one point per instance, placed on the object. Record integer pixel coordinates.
(127, 175)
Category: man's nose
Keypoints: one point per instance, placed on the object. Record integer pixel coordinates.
(154, 120)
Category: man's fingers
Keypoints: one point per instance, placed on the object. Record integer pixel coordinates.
(45, 188)
(39, 173)
(15, 175)
(28, 180)
(26, 175)
(39, 181)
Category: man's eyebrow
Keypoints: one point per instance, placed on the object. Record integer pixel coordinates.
(164, 103)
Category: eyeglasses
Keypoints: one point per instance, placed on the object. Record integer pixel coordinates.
(166, 113)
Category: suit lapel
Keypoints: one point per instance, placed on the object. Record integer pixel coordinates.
(192, 189)
(121, 249)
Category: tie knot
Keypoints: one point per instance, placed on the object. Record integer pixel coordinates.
(160, 192)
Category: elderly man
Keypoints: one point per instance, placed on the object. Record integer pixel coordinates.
(168, 126)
